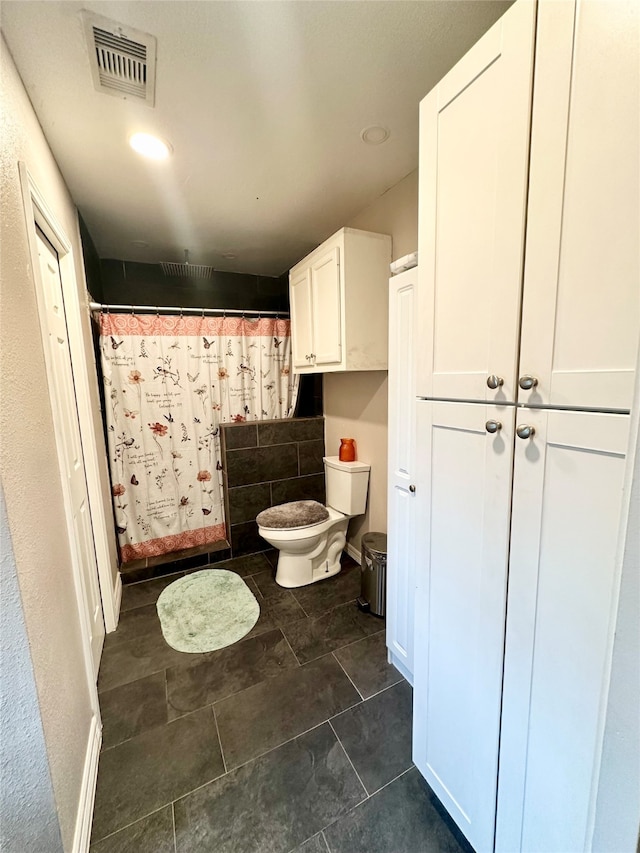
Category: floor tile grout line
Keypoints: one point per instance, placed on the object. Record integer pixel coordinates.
(284, 742)
(183, 716)
(236, 693)
(348, 676)
(127, 825)
(383, 627)
(324, 838)
(175, 839)
(244, 764)
(310, 838)
(300, 605)
(362, 639)
(395, 779)
(328, 609)
(388, 687)
(364, 787)
(215, 720)
(362, 802)
(290, 646)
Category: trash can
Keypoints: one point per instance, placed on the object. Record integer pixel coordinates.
(373, 574)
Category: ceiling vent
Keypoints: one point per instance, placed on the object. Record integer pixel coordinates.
(123, 60)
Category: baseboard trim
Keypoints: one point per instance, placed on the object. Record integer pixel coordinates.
(82, 835)
(117, 598)
(353, 552)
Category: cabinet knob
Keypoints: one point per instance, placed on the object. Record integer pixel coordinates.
(525, 431)
(527, 382)
(493, 426)
(494, 381)
(412, 489)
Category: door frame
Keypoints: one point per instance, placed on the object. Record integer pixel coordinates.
(37, 212)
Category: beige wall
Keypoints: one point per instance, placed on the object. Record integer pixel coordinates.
(355, 404)
(28, 461)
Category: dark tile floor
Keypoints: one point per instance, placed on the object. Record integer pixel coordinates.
(297, 738)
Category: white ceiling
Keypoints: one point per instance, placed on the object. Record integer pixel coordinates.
(263, 103)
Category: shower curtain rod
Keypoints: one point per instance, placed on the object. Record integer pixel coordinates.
(174, 309)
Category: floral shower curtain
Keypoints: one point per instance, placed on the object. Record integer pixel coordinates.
(169, 383)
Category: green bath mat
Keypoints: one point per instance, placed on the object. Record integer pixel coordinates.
(207, 610)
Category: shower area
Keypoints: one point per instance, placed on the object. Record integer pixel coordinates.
(181, 357)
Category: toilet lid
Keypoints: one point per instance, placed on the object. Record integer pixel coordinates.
(294, 514)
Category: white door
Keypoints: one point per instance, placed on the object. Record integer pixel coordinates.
(301, 322)
(325, 289)
(474, 149)
(567, 496)
(581, 306)
(464, 495)
(63, 400)
(401, 557)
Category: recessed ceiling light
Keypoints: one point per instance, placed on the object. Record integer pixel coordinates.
(229, 256)
(140, 244)
(375, 134)
(150, 146)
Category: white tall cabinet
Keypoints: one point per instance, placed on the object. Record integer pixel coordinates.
(401, 509)
(529, 306)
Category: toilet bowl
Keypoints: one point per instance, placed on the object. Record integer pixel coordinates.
(311, 552)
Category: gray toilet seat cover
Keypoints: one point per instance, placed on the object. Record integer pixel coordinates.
(294, 514)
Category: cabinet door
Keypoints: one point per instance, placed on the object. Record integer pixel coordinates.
(402, 476)
(581, 306)
(474, 147)
(325, 289)
(464, 496)
(301, 322)
(567, 497)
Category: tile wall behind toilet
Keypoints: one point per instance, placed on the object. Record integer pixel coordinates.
(265, 464)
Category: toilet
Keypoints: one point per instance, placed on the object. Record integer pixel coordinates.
(309, 536)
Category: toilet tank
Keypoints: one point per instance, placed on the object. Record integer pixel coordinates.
(347, 484)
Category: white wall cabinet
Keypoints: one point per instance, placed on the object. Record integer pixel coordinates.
(530, 306)
(338, 297)
(401, 540)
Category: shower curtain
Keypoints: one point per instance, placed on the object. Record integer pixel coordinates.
(170, 381)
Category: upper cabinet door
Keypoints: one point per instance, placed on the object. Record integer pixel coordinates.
(474, 149)
(301, 322)
(581, 293)
(325, 291)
